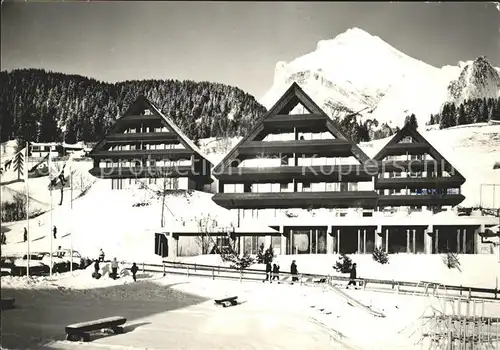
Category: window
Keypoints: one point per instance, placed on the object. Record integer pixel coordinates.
(407, 139)
(284, 159)
(306, 187)
(343, 186)
(353, 186)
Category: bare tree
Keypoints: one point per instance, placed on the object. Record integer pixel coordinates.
(59, 179)
(164, 186)
(204, 240)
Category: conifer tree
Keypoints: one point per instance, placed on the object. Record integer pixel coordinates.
(461, 117)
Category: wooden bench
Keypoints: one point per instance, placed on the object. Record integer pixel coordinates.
(79, 331)
(7, 303)
(226, 301)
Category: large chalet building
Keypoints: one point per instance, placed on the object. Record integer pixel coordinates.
(146, 147)
(298, 175)
(296, 172)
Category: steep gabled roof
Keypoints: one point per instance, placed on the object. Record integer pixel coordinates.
(137, 106)
(411, 130)
(291, 98)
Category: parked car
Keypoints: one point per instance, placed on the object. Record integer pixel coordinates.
(77, 260)
(58, 264)
(6, 265)
(19, 265)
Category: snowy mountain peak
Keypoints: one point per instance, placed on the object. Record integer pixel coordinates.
(477, 79)
(353, 36)
(357, 70)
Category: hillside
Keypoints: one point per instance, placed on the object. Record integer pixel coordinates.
(357, 70)
(37, 105)
(121, 222)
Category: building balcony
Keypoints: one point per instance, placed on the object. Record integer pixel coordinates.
(126, 138)
(413, 165)
(406, 148)
(320, 148)
(309, 122)
(304, 200)
(144, 172)
(285, 174)
(137, 118)
(171, 154)
(422, 182)
(423, 200)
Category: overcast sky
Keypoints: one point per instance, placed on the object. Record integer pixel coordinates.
(236, 43)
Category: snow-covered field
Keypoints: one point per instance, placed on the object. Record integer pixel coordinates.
(401, 267)
(108, 219)
(175, 312)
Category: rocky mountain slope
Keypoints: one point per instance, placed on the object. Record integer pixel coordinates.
(358, 71)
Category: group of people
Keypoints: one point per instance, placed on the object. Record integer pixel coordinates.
(25, 234)
(114, 267)
(273, 271)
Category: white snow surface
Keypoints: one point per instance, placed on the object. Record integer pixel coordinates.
(269, 316)
(358, 70)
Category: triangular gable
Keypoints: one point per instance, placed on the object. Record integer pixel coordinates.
(288, 101)
(410, 130)
(138, 106)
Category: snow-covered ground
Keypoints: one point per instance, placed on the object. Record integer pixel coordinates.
(108, 219)
(176, 312)
(401, 267)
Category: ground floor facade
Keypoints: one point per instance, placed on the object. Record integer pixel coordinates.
(409, 238)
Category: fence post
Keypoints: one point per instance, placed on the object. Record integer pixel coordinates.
(218, 269)
(143, 269)
(164, 272)
(187, 271)
(213, 273)
(496, 284)
(300, 279)
(470, 293)
(241, 275)
(194, 267)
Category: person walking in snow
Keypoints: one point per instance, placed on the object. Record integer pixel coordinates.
(134, 270)
(25, 236)
(352, 277)
(55, 232)
(276, 272)
(101, 255)
(114, 269)
(294, 271)
(96, 273)
(268, 272)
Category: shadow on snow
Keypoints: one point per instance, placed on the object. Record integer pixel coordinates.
(42, 314)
